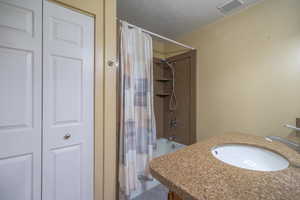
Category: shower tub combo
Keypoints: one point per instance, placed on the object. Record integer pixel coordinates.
(164, 146)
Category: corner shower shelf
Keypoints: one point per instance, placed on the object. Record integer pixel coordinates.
(163, 94)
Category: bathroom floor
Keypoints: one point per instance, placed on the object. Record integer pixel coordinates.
(158, 193)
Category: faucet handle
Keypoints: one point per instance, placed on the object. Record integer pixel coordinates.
(173, 123)
(172, 138)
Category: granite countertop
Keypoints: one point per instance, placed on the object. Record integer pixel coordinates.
(195, 174)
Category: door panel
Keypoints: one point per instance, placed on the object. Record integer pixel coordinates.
(20, 102)
(16, 75)
(17, 18)
(67, 79)
(17, 173)
(67, 172)
(68, 104)
(65, 31)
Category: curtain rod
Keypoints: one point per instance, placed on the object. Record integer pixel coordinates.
(160, 36)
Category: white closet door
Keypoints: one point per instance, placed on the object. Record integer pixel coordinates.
(68, 104)
(20, 99)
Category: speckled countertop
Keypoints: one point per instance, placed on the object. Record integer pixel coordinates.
(195, 174)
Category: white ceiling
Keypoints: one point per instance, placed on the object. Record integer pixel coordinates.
(171, 18)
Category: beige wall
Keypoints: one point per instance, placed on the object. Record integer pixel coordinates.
(162, 49)
(248, 74)
(158, 49)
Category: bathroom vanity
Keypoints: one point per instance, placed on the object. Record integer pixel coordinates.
(195, 173)
(173, 196)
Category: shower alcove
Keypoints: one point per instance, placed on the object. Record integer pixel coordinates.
(178, 125)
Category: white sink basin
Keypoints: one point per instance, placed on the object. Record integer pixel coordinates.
(250, 157)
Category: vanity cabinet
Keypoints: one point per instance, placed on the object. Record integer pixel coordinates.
(173, 196)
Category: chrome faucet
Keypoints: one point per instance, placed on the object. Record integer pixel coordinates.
(285, 141)
(173, 123)
(172, 139)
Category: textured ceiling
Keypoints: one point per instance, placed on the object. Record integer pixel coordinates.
(171, 18)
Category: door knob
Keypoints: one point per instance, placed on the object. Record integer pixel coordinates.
(67, 136)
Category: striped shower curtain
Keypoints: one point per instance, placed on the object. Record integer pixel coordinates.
(137, 121)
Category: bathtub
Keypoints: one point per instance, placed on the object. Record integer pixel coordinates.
(164, 147)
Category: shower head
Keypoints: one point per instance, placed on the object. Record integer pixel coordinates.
(163, 60)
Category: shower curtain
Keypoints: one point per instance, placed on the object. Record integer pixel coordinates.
(137, 121)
